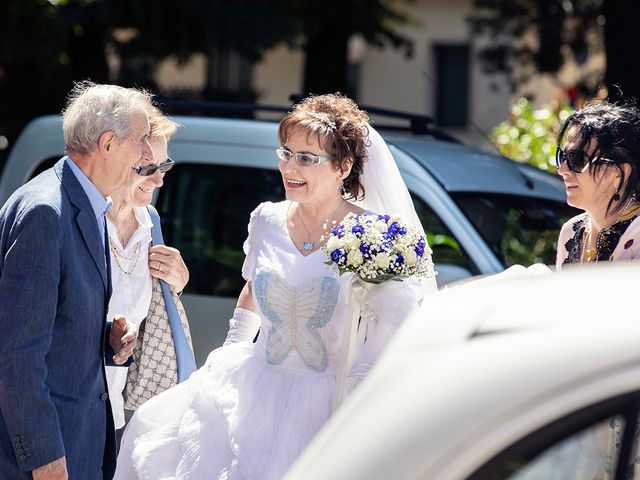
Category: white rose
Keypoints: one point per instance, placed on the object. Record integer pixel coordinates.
(353, 243)
(354, 258)
(410, 258)
(333, 243)
(382, 260)
(380, 225)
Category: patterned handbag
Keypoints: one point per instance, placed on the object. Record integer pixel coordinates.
(154, 368)
(163, 355)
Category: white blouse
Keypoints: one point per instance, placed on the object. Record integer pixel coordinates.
(131, 295)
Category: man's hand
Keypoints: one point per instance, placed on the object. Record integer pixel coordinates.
(56, 470)
(122, 339)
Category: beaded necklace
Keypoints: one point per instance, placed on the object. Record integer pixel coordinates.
(119, 258)
(591, 254)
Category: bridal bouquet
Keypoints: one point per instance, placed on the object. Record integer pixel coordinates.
(378, 248)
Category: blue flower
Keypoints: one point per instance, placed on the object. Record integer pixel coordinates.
(385, 218)
(399, 259)
(337, 255)
(386, 246)
(338, 231)
(396, 229)
(358, 230)
(420, 246)
(365, 248)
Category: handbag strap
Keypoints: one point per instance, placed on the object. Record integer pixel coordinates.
(184, 355)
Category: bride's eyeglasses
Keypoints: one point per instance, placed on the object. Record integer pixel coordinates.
(303, 159)
(147, 170)
(577, 160)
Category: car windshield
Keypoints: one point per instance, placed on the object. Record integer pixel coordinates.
(519, 230)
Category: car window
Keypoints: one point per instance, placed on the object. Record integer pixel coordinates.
(519, 230)
(585, 455)
(590, 443)
(205, 210)
(446, 248)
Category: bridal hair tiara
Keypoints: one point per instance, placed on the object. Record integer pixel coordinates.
(324, 118)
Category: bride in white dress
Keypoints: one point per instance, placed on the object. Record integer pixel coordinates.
(253, 407)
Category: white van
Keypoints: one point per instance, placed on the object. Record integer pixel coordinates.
(482, 212)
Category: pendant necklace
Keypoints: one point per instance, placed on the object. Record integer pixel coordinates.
(308, 245)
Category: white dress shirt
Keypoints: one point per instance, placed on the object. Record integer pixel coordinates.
(131, 295)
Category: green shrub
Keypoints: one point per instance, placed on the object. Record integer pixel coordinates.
(529, 135)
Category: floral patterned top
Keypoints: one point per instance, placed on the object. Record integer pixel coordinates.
(621, 241)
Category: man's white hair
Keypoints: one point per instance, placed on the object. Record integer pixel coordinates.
(93, 109)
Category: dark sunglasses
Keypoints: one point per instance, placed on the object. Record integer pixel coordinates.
(577, 160)
(146, 170)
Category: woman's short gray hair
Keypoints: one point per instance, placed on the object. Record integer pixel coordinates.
(93, 109)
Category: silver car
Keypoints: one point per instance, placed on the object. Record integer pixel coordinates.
(482, 212)
(521, 378)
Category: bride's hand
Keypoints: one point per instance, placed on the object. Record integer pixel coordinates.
(166, 263)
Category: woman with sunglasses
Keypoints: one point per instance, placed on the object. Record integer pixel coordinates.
(598, 157)
(251, 410)
(133, 261)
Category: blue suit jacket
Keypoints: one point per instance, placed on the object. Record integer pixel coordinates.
(54, 293)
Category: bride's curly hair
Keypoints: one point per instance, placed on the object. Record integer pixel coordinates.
(341, 130)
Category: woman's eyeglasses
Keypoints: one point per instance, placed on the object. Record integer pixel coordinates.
(147, 170)
(577, 160)
(303, 159)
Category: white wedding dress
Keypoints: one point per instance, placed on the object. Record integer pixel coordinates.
(252, 408)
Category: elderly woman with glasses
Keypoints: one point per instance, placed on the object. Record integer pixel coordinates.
(598, 158)
(133, 261)
(253, 407)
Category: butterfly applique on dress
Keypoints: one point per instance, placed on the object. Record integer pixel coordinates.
(296, 312)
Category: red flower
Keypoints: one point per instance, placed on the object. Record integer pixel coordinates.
(628, 244)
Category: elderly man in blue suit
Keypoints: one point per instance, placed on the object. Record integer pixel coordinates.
(55, 285)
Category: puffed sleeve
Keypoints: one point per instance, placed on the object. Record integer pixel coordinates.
(384, 309)
(248, 247)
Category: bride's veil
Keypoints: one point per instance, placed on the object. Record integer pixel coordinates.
(385, 190)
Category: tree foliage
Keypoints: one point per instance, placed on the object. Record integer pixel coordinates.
(251, 27)
(529, 135)
(530, 36)
(47, 44)
(44, 46)
(325, 28)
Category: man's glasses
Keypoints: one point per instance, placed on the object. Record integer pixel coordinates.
(303, 159)
(147, 170)
(577, 160)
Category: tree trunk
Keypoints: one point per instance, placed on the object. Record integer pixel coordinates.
(552, 16)
(325, 67)
(620, 39)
